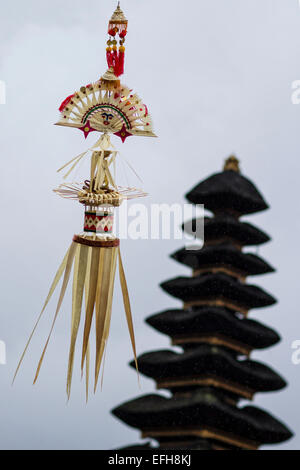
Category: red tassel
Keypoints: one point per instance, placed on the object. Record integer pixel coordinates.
(116, 65)
(109, 58)
(121, 63)
(115, 60)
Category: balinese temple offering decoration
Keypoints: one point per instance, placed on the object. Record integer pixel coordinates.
(108, 107)
(214, 371)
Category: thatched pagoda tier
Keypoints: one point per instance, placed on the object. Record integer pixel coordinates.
(228, 192)
(213, 325)
(226, 228)
(218, 290)
(208, 365)
(223, 258)
(202, 414)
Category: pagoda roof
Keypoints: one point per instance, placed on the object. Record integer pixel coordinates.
(228, 191)
(212, 321)
(223, 256)
(199, 413)
(174, 370)
(218, 287)
(225, 227)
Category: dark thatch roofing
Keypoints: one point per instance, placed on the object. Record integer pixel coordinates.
(212, 286)
(228, 191)
(203, 408)
(224, 255)
(226, 227)
(209, 360)
(214, 320)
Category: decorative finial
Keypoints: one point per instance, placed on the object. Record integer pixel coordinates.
(118, 16)
(232, 163)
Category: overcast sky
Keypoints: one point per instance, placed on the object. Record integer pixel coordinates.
(217, 77)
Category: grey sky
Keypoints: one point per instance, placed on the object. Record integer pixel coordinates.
(217, 79)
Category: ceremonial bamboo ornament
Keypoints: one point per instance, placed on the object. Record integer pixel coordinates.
(110, 108)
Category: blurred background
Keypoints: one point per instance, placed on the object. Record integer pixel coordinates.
(217, 77)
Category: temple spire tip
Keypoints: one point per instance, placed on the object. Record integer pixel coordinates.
(232, 163)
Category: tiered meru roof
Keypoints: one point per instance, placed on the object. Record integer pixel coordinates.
(213, 371)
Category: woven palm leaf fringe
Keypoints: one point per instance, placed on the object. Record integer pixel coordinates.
(95, 264)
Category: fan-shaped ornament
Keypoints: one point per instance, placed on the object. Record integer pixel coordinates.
(95, 108)
(108, 107)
